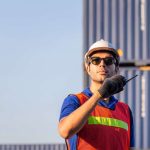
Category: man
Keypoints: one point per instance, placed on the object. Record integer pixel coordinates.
(94, 119)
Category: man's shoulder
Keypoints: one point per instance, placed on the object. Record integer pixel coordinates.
(80, 97)
(123, 104)
(70, 104)
(85, 93)
(71, 97)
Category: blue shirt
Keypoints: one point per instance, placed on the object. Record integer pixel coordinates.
(71, 103)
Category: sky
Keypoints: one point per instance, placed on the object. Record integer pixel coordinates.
(40, 64)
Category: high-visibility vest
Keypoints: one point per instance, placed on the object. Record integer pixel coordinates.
(105, 129)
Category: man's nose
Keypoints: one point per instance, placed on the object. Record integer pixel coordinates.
(102, 63)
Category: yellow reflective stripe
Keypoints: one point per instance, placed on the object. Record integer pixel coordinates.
(108, 122)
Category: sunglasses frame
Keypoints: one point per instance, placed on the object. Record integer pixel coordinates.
(104, 59)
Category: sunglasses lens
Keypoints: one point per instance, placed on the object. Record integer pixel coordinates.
(96, 60)
(109, 61)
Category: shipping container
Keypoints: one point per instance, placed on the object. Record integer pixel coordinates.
(126, 24)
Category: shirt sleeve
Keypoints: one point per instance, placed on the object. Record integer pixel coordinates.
(132, 140)
(70, 104)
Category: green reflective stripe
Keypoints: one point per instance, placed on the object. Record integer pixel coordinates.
(108, 122)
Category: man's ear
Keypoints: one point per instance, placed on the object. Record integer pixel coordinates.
(86, 66)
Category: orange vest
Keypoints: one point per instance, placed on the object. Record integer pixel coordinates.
(105, 129)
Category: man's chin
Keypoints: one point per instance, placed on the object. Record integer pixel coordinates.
(102, 79)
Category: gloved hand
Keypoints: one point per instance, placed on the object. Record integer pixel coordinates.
(112, 86)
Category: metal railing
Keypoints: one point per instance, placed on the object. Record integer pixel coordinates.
(32, 147)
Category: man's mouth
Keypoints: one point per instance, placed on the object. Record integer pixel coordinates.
(102, 72)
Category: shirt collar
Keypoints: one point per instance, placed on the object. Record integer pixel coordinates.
(111, 105)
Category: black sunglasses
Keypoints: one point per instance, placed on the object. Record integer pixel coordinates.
(97, 60)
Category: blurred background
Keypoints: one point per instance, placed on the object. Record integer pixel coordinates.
(40, 64)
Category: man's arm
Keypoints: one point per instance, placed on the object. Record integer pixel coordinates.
(72, 123)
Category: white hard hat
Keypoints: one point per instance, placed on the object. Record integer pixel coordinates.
(102, 45)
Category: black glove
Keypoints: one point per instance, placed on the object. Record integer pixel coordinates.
(112, 86)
